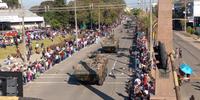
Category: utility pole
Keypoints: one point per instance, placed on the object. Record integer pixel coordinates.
(23, 32)
(76, 28)
(150, 33)
(91, 19)
(99, 21)
(185, 21)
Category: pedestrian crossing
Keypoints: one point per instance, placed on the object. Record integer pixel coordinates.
(119, 79)
(105, 83)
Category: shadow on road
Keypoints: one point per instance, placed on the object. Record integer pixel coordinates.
(128, 38)
(196, 87)
(99, 93)
(72, 80)
(125, 97)
(197, 64)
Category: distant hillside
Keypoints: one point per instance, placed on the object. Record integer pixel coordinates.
(12, 3)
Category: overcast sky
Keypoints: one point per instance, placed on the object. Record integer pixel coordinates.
(29, 3)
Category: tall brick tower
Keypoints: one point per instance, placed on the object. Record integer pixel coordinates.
(165, 24)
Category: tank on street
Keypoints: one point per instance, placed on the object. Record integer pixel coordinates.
(92, 69)
(110, 44)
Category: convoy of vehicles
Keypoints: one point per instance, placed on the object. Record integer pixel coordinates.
(92, 69)
(110, 44)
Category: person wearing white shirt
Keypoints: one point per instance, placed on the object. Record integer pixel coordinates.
(12, 41)
(37, 45)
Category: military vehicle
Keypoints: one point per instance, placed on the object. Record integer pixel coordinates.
(110, 44)
(92, 69)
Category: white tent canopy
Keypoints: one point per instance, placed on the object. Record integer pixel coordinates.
(3, 5)
(19, 19)
(16, 16)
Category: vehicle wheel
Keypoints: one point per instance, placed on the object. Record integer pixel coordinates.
(113, 50)
(116, 50)
(102, 51)
(100, 82)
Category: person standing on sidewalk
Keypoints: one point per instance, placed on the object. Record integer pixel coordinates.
(180, 53)
(19, 53)
(177, 52)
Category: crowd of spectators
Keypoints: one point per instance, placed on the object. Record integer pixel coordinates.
(142, 85)
(13, 37)
(53, 54)
(9, 38)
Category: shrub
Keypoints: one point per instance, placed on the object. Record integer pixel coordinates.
(190, 30)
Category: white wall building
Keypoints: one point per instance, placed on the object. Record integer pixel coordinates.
(14, 17)
(196, 8)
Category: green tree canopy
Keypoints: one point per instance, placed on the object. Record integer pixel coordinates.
(88, 16)
(12, 3)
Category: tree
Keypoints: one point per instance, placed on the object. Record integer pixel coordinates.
(143, 18)
(12, 3)
(88, 17)
(136, 12)
(190, 30)
(155, 10)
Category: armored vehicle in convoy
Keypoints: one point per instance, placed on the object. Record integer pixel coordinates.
(110, 44)
(92, 69)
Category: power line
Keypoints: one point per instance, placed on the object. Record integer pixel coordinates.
(79, 8)
(95, 6)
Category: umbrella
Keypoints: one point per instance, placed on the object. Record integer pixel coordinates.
(11, 34)
(186, 68)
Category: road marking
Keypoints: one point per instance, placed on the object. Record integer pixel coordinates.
(54, 74)
(67, 83)
(111, 83)
(51, 77)
(123, 77)
(113, 67)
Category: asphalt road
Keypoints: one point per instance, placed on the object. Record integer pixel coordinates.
(191, 56)
(56, 84)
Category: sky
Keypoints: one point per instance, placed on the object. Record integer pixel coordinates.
(29, 3)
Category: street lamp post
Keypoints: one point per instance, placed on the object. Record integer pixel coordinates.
(23, 31)
(76, 28)
(185, 21)
(150, 35)
(99, 21)
(91, 19)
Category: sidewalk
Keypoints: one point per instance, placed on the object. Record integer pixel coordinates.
(165, 86)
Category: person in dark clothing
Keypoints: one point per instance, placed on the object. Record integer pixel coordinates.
(43, 53)
(192, 97)
(4, 45)
(28, 56)
(130, 51)
(16, 42)
(42, 45)
(30, 50)
(180, 53)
